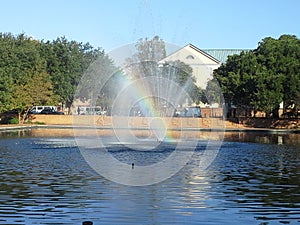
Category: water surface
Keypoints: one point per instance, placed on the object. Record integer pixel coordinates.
(255, 179)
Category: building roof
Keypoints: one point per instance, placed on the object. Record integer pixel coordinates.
(222, 54)
(216, 55)
(208, 55)
(191, 55)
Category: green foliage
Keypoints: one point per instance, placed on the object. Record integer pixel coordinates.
(282, 58)
(13, 121)
(149, 50)
(269, 93)
(212, 94)
(35, 122)
(145, 63)
(24, 80)
(6, 83)
(236, 78)
(263, 78)
(100, 83)
(66, 63)
(39, 73)
(181, 73)
(34, 72)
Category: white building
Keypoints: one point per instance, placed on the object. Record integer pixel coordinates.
(203, 62)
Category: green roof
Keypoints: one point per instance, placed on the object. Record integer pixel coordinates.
(222, 54)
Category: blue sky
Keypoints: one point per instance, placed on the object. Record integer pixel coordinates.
(113, 23)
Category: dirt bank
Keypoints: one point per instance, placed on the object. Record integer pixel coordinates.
(264, 123)
(172, 123)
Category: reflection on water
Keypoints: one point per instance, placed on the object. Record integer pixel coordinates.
(269, 137)
(44, 180)
(263, 136)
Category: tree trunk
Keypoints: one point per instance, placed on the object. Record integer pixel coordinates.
(268, 114)
(25, 116)
(19, 118)
(275, 112)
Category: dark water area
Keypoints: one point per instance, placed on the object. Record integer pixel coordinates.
(255, 179)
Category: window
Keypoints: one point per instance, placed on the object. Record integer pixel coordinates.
(190, 57)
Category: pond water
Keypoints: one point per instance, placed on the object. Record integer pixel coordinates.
(255, 179)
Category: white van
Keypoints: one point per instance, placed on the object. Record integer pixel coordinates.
(86, 110)
(38, 109)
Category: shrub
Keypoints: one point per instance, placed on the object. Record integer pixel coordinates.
(13, 121)
(35, 122)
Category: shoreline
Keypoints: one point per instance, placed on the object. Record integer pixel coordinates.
(168, 123)
(11, 127)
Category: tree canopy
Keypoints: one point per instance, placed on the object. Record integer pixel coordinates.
(264, 77)
(35, 72)
(66, 63)
(24, 80)
(145, 62)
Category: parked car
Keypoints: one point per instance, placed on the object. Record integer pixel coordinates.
(193, 111)
(88, 110)
(39, 109)
(51, 111)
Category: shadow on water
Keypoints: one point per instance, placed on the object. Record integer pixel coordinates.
(255, 179)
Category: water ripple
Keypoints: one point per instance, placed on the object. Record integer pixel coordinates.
(46, 181)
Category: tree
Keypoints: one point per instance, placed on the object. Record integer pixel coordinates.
(99, 83)
(149, 50)
(212, 93)
(237, 79)
(145, 63)
(148, 54)
(182, 74)
(5, 91)
(264, 77)
(269, 93)
(35, 72)
(37, 90)
(67, 61)
(24, 80)
(281, 58)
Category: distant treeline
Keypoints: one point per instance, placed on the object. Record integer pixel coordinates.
(34, 72)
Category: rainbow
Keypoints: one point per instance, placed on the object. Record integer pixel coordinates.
(139, 93)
